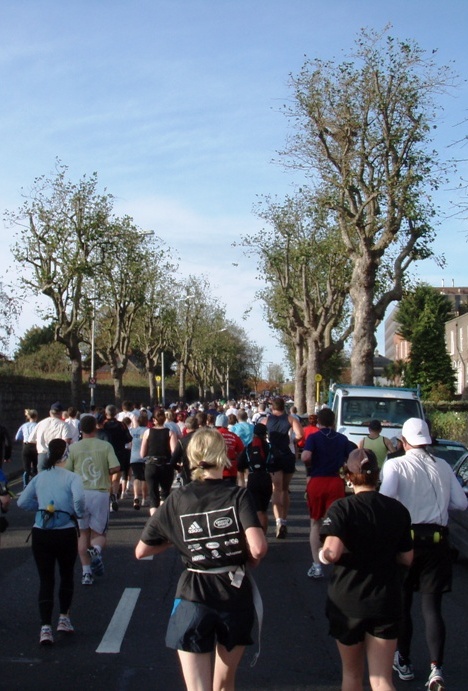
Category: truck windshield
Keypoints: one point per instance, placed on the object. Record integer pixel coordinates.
(392, 412)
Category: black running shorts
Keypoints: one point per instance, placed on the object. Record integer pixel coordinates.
(195, 628)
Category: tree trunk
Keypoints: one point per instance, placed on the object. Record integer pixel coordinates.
(182, 377)
(151, 384)
(76, 381)
(117, 376)
(299, 379)
(313, 366)
(364, 341)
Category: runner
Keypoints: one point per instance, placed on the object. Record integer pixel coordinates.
(256, 459)
(137, 462)
(52, 427)
(157, 446)
(428, 488)
(29, 451)
(57, 496)
(119, 436)
(366, 536)
(213, 608)
(234, 448)
(325, 452)
(279, 424)
(94, 461)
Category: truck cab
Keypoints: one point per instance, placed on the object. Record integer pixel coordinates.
(356, 406)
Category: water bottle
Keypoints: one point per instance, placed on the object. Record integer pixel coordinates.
(49, 512)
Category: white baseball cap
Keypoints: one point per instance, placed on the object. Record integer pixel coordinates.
(416, 432)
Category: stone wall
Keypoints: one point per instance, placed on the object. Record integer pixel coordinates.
(18, 393)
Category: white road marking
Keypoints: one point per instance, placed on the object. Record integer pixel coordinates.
(147, 558)
(112, 639)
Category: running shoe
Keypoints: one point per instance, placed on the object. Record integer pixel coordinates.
(436, 680)
(87, 579)
(114, 504)
(281, 531)
(97, 566)
(46, 636)
(65, 625)
(136, 504)
(315, 571)
(404, 670)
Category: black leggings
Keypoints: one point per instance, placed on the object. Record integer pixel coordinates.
(29, 458)
(159, 480)
(431, 605)
(50, 546)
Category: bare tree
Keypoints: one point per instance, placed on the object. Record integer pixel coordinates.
(307, 272)
(9, 310)
(130, 259)
(363, 136)
(62, 230)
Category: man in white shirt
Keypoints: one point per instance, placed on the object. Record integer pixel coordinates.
(52, 427)
(427, 486)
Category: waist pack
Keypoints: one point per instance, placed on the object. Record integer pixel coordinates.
(428, 534)
(157, 460)
(48, 520)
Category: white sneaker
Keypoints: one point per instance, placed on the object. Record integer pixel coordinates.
(436, 680)
(403, 669)
(65, 625)
(87, 579)
(315, 571)
(46, 636)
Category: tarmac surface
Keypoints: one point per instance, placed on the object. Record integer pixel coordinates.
(121, 620)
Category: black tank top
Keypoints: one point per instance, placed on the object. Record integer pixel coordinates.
(158, 443)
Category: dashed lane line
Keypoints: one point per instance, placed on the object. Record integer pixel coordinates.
(112, 639)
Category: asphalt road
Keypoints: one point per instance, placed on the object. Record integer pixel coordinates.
(296, 653)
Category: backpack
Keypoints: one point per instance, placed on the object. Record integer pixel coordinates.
(258, 454)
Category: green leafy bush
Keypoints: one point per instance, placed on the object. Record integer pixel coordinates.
(450, 425)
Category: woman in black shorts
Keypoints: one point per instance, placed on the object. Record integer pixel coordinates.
(366, 538)
(216, 530)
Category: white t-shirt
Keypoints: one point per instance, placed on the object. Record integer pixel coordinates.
(427, 486)
(48, 429)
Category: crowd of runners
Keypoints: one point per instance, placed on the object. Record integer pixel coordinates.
(378, 514)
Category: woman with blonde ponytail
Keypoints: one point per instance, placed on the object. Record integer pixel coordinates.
(217, 532)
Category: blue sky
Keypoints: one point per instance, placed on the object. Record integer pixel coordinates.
(176, 105)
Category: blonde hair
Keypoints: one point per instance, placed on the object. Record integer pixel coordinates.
(207, 449)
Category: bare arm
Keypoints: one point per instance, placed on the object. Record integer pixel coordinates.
(297, 427)
(257, 544)
(405, 558)
(172, 441)
(144, 444)
(143, 550)
(306, 457)
(333, 548)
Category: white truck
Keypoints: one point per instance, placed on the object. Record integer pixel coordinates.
(356, 406)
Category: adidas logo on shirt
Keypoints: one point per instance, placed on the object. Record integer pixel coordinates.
(195, 528)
